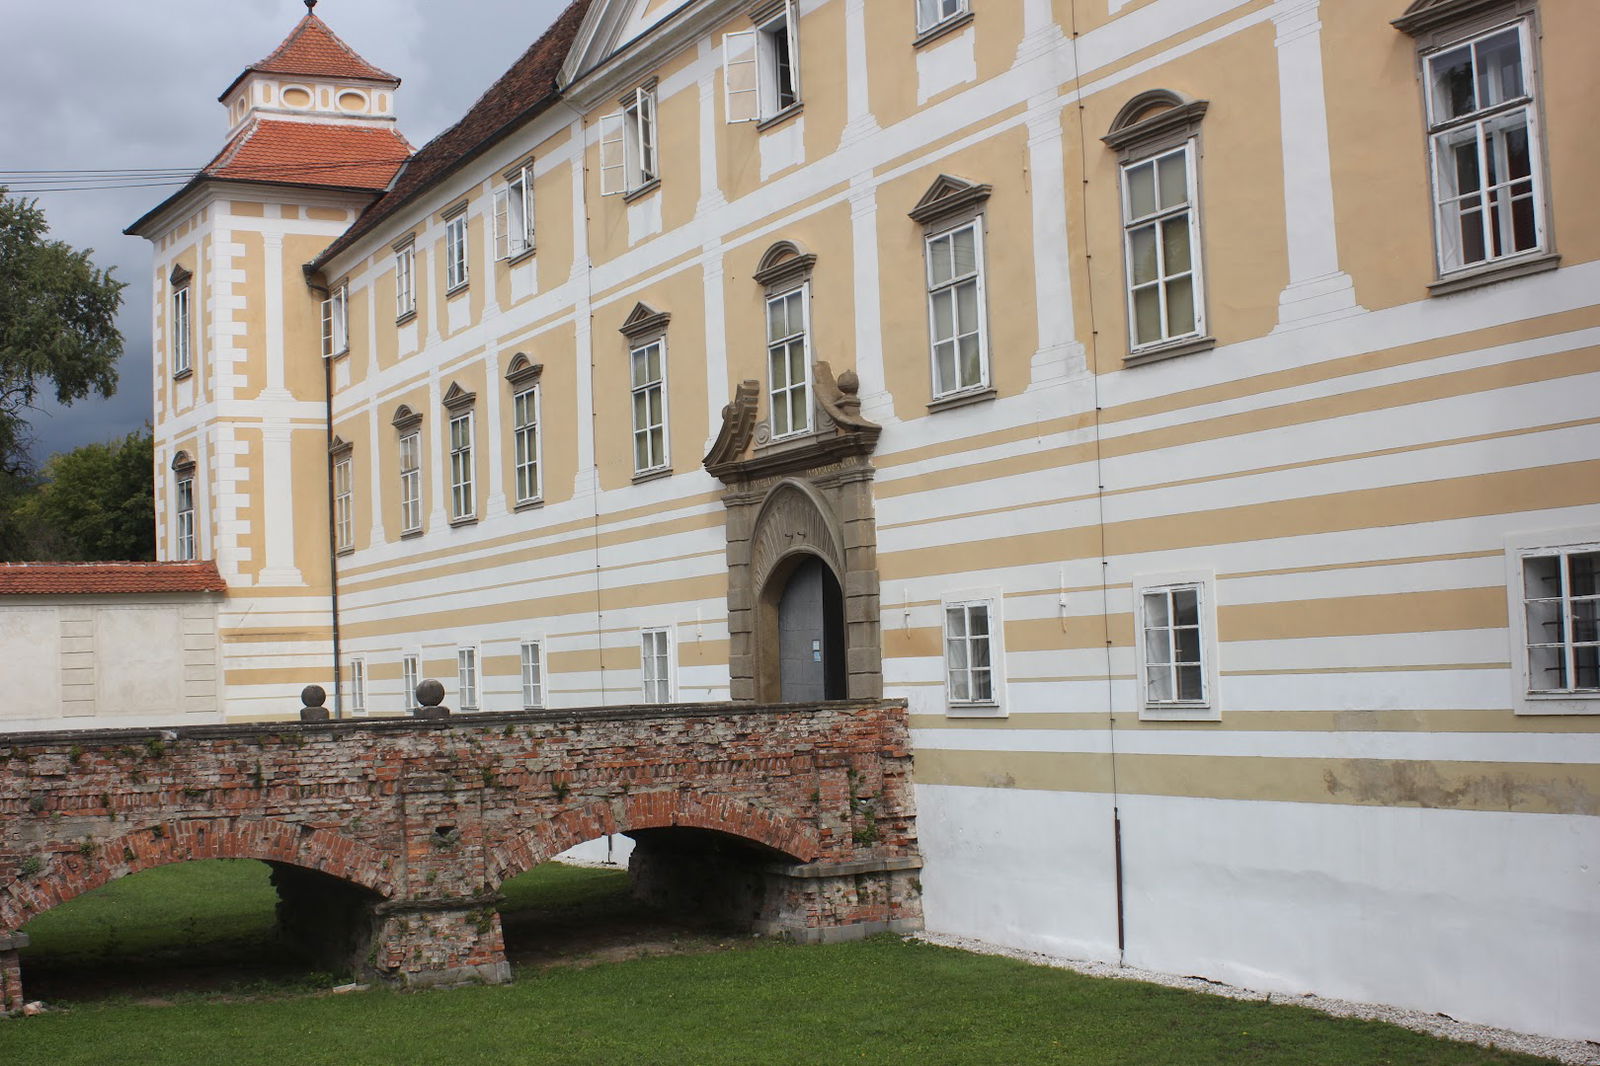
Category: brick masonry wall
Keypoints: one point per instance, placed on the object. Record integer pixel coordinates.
(430, 817)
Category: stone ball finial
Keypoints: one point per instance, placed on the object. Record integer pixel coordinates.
(430, 692)
(849, 383)
(313, 696)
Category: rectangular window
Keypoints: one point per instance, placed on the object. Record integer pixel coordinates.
(185, 516)
(1175, 620)
(463, 503)
(955, 310)
(525, 439)
(180, 331)
(655, 654)
(1484, 140)
(788, 363)
(405, 283)
(410, 669)
(411, 483)
(969, 653)
(932, 12)
(761, 68)
(336, 323)
(628, 144)
(467, 678)
(649, 370)
(532, 674)
(358, 686)
(1561, 608)
(455, 252)
(343, 510)
(1161, 236)
(513, 215)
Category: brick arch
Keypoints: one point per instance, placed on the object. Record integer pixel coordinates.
(651, 810)
(165, 843)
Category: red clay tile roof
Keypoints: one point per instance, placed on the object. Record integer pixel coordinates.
(85, 579)
(312, 153)
(313, 50)
(522, 92)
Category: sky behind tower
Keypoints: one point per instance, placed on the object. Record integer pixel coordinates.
(114, 84)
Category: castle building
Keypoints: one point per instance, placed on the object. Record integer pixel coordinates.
(1188, 407)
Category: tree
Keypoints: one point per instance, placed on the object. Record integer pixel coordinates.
(97, 503)
(57, 324)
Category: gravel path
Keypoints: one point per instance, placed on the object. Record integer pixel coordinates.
(1575, 1052)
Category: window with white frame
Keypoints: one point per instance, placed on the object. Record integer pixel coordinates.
(761, 66)
(410, 678)
(405, 281)
(343, 500)
(411, 482)
(1555, 612)
(628, 144)
(1176, 621)
(655, 655)
(648, 364)
(455, 251)
(181, 364)
(183, 508)
(789, 363)
(513, 214)
(336, 322)
(467, 678)
(525, 436)
(956, 310)
(532, 674)
(932, 13)
(970, 632)
(1483, 139)
(1161, 239)
(463, 501)
(358, 686)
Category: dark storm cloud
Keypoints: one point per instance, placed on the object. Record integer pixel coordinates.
(101, 84)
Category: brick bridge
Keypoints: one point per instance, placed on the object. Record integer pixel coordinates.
(389, 838)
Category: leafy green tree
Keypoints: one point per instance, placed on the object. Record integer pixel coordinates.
(97, 503)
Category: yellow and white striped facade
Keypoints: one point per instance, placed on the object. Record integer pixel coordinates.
(1346, 467)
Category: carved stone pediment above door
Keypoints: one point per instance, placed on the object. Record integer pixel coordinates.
(790, 501)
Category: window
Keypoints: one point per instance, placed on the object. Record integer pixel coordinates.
(467, 678)
(336, 322)
(462, 500)
(1175, 619)
(405, 281)
(955, 310)
(180, 330)
(184, 507)
(655, 654)
(761, 67)
(455, 251)
(358, 686)
(513, 215)
(411, 482)
(1484, 142)
(969, 654)
(1555, 612)
(410, 668)
(649, 371)
(523, 377)
(931, 13)
(343, 509)
(788, 363)
(628, 144)
(532, 674)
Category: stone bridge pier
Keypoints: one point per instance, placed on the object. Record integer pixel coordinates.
(389, 839)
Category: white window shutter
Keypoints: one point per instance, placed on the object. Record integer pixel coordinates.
(527, 209)
(791, 26)
(341, 320)
(647, 135)
(741, 76)
(327, 327)
(502, 236)
(613, 155)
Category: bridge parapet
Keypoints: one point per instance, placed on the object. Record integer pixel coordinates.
(803, 814)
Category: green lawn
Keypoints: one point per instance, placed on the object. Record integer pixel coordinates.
(881, 1001)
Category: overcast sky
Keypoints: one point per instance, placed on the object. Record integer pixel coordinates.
(100, 84)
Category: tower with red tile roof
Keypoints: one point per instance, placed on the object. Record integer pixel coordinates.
(240, 384)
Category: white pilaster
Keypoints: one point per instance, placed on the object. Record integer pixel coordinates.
(711, 196)
(435, 431)
(1039, 30)
(1059, 352)
(1318, 290)
(375, 429)
(717, 390)
(272, 292)
(877, 404)
(276, 511)
(859, 119)
(586, 482)
(494, 389)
